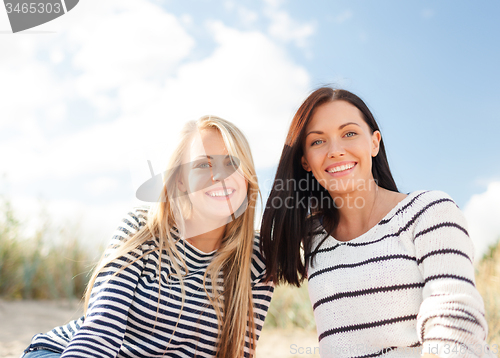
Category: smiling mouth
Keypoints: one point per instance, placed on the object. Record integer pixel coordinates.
(341, 168)
(220, 193)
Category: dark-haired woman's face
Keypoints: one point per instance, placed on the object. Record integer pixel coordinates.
(339, 146)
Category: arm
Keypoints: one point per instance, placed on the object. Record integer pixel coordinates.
(451, 319)
(262, 291)
(103, 329)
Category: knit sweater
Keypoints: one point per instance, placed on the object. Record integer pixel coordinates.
(403, 288)
(122, 318)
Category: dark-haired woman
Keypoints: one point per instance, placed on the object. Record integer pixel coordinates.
(389, 274)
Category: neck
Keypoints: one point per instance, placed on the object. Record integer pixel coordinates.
(203, 234)
(208, 241)
(356, 208)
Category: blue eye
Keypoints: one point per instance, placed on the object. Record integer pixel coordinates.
(203, 165)
(316, 142)
(350, 134)
(233, 162)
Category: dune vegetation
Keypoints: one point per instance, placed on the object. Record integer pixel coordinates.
(51, 263)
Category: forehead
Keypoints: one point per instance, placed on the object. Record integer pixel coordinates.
(207, 142)
(335, 113)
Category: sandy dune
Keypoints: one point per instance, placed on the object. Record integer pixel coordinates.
(20, 320)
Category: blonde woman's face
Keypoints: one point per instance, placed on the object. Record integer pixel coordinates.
(210, 177)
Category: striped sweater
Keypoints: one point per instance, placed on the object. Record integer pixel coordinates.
(122, 318)
(404, 287)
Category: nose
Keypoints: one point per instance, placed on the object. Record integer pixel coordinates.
(217, 175)
(220, 172)
(336, 149)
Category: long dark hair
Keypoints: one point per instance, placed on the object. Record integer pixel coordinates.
(297, 198)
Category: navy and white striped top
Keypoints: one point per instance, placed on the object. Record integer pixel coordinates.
(124, 319)
(404, 287)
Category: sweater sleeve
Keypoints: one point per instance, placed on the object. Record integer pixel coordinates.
(262, 292)
(103, 329)
(451, 320)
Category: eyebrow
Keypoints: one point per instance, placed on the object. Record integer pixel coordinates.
(340, 127)
(203, 157)
(348, 123)
(210, 157)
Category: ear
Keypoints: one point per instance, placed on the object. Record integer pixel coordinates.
(376, 137)
(305, 165)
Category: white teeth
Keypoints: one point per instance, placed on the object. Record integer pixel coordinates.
(220, 192)
(341, 168)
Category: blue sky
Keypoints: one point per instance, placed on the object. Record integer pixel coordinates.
(89, 97)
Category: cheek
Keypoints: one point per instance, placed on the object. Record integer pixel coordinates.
(314, 159)
(361, 149)
(242, 184)
(239, 179)
(196, 182)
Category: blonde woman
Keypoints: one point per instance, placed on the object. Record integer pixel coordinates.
(205, 297)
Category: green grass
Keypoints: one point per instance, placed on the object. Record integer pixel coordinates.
(488, 284)
(290, 307)
(50, 264)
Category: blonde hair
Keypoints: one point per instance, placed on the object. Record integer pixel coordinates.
(232, 301)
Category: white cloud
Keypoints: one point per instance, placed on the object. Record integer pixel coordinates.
(117, 59)
(274, 3)
(28, 88)
(97, 148)
(101, 185)
(343, 17)
(125, 42)
(122, 64)
(247, 17)
(127, 60)
(286, 29)
(187, 20)
(230, 5)
(483, 212)
(248, 80)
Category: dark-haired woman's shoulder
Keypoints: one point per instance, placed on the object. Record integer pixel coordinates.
(426, 202)
(428, 195)
(435, 219)
(421, 201)
(426, 215)
(393, 197)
